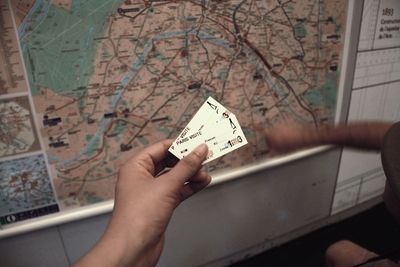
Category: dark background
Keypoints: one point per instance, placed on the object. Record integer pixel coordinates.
(374, 229)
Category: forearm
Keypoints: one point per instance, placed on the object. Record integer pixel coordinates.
(106, 253)
(112, 250)
(360, 135)
(366, 135)
(103, 254)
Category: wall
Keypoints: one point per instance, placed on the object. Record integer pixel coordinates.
(232, 220)
(222, 220)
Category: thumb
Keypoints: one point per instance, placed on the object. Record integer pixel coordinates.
(188, 166)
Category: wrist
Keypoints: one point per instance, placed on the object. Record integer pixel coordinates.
(113, 249)
(123, 244)
(324, 135)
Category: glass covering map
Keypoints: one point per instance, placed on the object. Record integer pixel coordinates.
(108, 78)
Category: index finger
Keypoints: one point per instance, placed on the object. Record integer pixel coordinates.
(150, 156)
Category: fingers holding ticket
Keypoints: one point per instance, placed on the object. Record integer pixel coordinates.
(213, 125)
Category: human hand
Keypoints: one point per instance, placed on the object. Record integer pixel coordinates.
(144, 205)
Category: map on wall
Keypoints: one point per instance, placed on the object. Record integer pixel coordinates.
(108, 78)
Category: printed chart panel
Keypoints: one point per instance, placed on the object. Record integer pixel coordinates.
(368, 24)
(361, 176)
(377, 67)
(380, 27)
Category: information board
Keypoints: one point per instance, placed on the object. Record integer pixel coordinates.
(87, 84)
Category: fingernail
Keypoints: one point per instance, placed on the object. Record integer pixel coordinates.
(201, 149)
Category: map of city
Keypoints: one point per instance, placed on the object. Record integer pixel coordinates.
(17, 134)
(108, 78)
(25, 189)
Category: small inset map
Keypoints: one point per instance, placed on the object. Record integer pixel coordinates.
(11, 70)
(25, 189)
(17, 131)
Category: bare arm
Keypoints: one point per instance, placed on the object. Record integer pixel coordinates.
(144, 205)
(366, 135)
